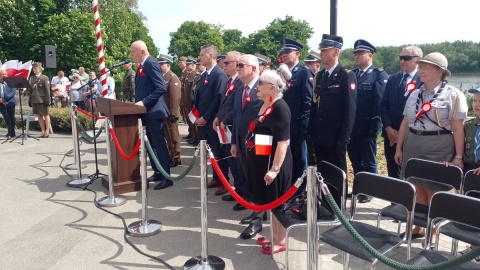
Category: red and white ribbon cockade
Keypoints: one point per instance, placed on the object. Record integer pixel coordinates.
(410, 87)
(248, 99)
(426, 107)
(263, 144)
(193, 115)
(230, 89)
(267, 112)
(101, 58)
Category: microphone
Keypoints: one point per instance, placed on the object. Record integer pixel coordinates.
(121, 63)
(284, 72)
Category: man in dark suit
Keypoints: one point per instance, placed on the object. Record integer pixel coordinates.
(298, 96)
(393, 103)
(362, 149)
(149, 90)
(7, 104)
(246, 106)
(334, 104)
(213, 85)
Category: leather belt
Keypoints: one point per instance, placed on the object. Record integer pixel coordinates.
(429, 133)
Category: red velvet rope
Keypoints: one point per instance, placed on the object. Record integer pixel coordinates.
(119, 148)
(89, 115)
(254, 207)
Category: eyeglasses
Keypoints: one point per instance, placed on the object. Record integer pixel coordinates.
(226, 63)
(426, 67)
(242, 65)
(407, 57)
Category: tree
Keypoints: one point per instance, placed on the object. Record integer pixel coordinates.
(232, 39)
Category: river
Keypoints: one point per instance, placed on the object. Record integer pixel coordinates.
(465, 81)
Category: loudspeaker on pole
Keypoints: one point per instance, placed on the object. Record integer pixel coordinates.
(49, 56)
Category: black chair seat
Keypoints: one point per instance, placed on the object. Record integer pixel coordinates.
(288, 218)
(398, 212)
(379, 239)
(428, 257)
(461, 232)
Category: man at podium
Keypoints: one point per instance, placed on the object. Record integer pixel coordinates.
(149, 90)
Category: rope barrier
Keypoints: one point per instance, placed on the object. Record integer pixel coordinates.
(89, 115)
(119, 148)
(85, 135)
(384, 259)
(162, 171)
(254, 207)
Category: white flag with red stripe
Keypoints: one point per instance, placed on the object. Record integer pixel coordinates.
(224, 136)
(193, 115)
(263, 144)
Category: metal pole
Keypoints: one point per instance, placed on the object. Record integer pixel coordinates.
(312, 235)
(204, 261)
(333, 17)
(75, 153)
(76, 144)
(144, 227)
(111, 200)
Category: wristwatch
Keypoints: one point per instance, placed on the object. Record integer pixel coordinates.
(275, 168)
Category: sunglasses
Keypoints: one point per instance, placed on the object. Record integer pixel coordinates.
(226, 63)
(407, 57)
(242, 65)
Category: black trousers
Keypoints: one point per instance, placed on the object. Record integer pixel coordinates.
(394, 170)
(207, 133)
(156, 137)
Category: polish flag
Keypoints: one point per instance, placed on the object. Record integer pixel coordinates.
(18, 69)
(193, 115)
(263, 144)
(225, 137)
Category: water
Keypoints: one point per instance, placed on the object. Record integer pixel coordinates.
(465, 81)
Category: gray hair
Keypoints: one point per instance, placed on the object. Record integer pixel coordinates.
(251, 59)
(272, 77)
(236, 54)
(415, 50)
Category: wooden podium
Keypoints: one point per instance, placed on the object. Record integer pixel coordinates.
(124, 117)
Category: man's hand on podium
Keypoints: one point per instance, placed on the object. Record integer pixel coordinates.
(140, 103)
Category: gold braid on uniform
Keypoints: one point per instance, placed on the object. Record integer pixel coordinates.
(314, 95)
(455, 110)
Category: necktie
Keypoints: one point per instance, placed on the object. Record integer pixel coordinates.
(403, 83)
(245, 96)
(359, 74)
(229, 82)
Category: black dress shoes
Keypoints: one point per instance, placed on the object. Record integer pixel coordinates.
(238, 207)
(364, 198)
(192, 141)
(251, 231)
(187, 137)
(155, 178)
(251, 217)
(174, 163)
(163, 184)
(228, 198)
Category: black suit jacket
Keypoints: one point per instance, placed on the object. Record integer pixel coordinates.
(243, 117)
(370, 88)
(393, 101)
(225, 112)
(150, 87)
(207, 97)
(333, 116)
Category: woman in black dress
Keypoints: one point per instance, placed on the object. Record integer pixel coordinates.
(269, 160)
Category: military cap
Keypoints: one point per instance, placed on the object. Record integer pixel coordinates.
(183, 58)
(37, 64)
(190, 60)
(263, 60)
(363, 46)
(330, 41)
(198, 62)
(164, 58)
(474, 90)
(313, 57)
(221, 56)
(290, 45)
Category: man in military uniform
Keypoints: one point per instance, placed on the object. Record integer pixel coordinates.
(39, 98)
(334, 104)
(362, 149)
(172, 99)
(220, 59)
(186, 102)
(183, 76)
(128, 87)
(313, 61)
(298, 96)
(264, 62)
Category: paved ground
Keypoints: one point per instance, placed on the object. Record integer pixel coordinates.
(47, 225)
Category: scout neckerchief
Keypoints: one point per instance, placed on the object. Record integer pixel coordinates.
(423, 107)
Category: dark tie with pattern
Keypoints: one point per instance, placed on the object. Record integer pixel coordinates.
(245, 96)
(403, 83)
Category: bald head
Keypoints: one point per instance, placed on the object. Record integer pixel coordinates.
(138, 51)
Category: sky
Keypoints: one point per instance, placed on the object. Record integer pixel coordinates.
(380, 22)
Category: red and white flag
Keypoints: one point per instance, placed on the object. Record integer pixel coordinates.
(193, 115)
(263, 144)
(16, 68)
(225, 137)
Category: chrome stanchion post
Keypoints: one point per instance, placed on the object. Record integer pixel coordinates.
(110, 200)
(204, 261)
(75, 153)
(312, 233)
(79, 181)
(144, 227)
